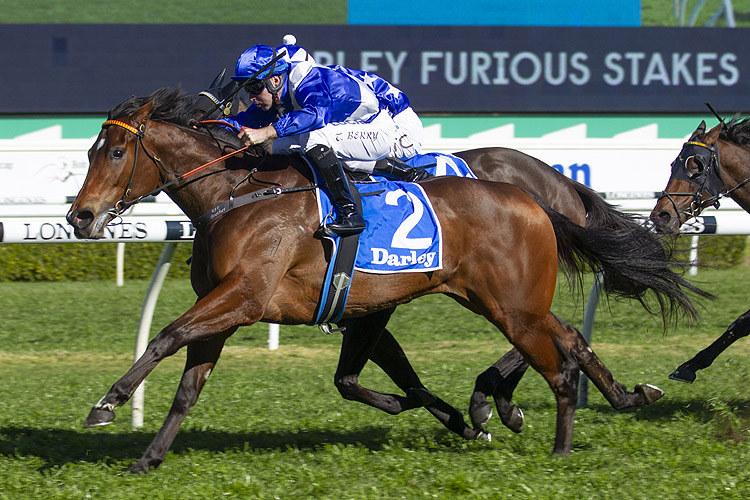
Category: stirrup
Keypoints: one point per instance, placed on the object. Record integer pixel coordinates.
(347, 223)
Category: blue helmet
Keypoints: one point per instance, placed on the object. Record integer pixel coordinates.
(254, 59)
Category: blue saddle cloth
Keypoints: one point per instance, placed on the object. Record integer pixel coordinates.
(403, 232)
(439, 164)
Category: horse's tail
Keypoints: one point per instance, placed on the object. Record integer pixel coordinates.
(601, 214)
(633, 260)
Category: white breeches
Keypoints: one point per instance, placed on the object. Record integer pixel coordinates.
(409, 135)
(357, 144)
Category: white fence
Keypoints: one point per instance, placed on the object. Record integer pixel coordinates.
(41, 172)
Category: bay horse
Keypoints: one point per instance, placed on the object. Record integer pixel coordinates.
(502, 265)
(710, 166)
(574, 200)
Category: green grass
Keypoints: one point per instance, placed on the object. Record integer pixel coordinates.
(653, 12)
(270, 424)
(173, 12)
(660, 12)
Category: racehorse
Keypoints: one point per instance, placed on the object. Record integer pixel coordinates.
(239, 281)
(711, 165)
(568, 197)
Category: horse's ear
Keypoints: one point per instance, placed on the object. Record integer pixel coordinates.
(700, 130)
(144, 112)
(713, 135)
(218, 80)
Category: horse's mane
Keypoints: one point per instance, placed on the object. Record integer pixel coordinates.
(171, 106)
(737, 130)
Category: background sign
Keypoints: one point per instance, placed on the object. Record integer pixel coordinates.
(90, 68)
(496, 12)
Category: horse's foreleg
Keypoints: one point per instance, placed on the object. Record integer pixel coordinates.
(361, 335)
(499, 381)
(225, 307)
(738, 329)
(201, 360)
(389, 356)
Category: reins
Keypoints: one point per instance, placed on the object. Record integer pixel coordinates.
(122, 205)
(217, 211)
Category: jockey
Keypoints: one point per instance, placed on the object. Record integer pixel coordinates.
(320, 111)
(409, 131)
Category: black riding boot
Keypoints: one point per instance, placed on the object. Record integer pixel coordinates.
(400, 171)
(348, 219)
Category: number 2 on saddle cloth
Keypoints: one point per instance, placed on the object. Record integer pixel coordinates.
(403, 234)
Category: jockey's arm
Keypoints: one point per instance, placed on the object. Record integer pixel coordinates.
(250, 136)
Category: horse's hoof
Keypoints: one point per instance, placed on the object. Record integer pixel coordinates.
(423, 395)
(99, 417)
(480, 414)
(683, 374)
(515, 420)
(137, 468)
(650, 392)
(484, 436)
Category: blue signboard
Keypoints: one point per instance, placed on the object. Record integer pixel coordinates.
(477, 69)
(495, 12)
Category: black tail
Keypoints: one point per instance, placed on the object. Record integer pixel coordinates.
(601, 214)
(634, 261)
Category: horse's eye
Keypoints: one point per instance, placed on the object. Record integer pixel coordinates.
(695, 167)
(117, 154)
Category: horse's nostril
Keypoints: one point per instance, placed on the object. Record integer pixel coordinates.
(661, 217)
(80, 218)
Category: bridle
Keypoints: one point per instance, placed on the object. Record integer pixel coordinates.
(122, 205)
(270, 64)
(709, 178)
(215, 212)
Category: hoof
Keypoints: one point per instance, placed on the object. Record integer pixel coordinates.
(137, 468)
(480, 414)
(423, 395)
(515, 420)
(683, 374)
(484, 436)
(99, 417)
(650, 392)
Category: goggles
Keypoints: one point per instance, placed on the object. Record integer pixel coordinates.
(254, 87)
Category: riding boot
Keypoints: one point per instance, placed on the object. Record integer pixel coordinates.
(348, 218)
(397, 170)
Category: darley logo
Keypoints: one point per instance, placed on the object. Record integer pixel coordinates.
(380, 256)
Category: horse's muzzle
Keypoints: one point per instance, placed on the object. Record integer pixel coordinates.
(83, 224)
(665, 223)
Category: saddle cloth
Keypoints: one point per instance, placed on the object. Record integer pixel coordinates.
(403, 232)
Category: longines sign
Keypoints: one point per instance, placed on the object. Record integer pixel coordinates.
(442, 69)
(129, 230)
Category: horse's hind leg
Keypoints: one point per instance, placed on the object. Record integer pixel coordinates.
(391, 358)
(614, 392)
(201, 360)
(499, 381)
(537, 339)
(557, 350)
(738, 329)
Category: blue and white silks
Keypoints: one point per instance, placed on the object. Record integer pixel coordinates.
(403, 232)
